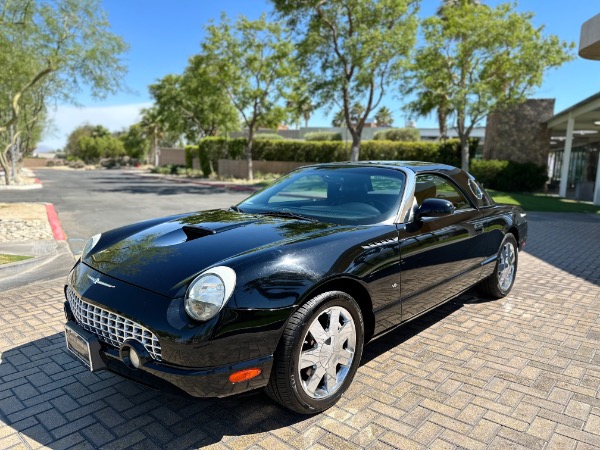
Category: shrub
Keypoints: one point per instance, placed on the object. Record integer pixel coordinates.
(509, 175)
(450, 151)
(76, 164)
(398, 134)
(268, 136)
(191, 151)
(323, 136)
(50, 163)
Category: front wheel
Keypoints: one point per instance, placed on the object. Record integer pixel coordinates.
(319, 353)
(501, 281)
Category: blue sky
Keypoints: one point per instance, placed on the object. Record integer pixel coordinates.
(163, 35)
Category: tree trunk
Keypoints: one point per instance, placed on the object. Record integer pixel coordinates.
(464, 152)
(4, 164)
(249, 154)
(156, 154)
(355, 149)
(442, 121)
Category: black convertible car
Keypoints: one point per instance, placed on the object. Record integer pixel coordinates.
(284, 289)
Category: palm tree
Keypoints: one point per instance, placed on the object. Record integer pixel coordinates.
(154, 129)
(339, 119)
(384, 118)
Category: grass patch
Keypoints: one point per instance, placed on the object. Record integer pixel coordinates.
(543, 202)
(6, 259)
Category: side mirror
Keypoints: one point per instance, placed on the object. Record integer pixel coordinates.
(434, 207)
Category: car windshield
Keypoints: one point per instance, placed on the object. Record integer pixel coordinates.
(341, 195)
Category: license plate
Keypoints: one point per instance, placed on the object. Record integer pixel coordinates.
(84, 346)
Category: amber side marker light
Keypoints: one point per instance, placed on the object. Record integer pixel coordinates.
(244, 375)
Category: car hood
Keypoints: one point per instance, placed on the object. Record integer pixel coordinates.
(165, 257)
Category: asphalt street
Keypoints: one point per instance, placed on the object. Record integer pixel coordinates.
(90, 202)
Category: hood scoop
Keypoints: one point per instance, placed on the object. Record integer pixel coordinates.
(196, 231)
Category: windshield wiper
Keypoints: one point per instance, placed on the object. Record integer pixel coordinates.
(288, 214)
(236, 209)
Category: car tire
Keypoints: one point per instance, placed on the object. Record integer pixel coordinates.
(318, 354)
(501, 281)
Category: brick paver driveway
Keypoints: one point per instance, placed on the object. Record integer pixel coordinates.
(519, 372)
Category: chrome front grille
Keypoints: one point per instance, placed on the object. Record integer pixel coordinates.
(111, 328)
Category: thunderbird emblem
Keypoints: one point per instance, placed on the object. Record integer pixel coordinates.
(97, 281)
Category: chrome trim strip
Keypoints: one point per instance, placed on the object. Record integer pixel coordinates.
(406, 204)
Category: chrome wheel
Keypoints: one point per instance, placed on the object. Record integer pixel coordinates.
(327, 352)
(506, 266)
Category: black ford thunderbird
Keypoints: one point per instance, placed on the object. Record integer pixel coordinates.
(283, 290)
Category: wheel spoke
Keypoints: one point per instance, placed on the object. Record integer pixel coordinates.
(314, 380)
(345, 357)
(309, 357)
(345, 332)
(317, 332)
(331, 379)
(334, 321)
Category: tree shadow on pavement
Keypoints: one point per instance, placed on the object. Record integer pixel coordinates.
(48, 397)
(51, 399)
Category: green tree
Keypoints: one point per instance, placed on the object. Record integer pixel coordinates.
(93, 148)
(434, 97)
(256, 67)
(383, 117)
(195, 104)
(482, 59)
(135, 142)
(61, 44)
(72, 146)
(353, 51)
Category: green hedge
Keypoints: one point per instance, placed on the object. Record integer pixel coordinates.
(509, 175)
(269, 136)
(211, 149)
(407, 134)
(323, 136)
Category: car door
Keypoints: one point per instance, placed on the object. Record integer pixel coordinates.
(439, 256)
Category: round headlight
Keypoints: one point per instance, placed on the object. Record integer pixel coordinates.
(89, 246)
(209, 292)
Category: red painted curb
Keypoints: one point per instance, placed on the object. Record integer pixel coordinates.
(57, 230)
(37, 180)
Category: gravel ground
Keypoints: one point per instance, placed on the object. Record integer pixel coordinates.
(23, 222)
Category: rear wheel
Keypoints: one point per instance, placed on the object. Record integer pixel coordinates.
(501, 281)
(319, 353)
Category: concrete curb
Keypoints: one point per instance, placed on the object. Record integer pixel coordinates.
(40, 250)
(57, 230)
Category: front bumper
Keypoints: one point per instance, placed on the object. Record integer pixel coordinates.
(195, 382)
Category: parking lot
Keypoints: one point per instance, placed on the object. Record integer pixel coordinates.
(521, 372)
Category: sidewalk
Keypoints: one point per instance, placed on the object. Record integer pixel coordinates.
(32, 229)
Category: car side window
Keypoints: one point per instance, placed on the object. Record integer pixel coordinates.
(435, 186)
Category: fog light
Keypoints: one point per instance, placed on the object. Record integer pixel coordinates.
(134, 354)
(134, 359)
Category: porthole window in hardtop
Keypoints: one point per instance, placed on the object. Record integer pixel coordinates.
(435, 186)
(346, 195)
(483, 198)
